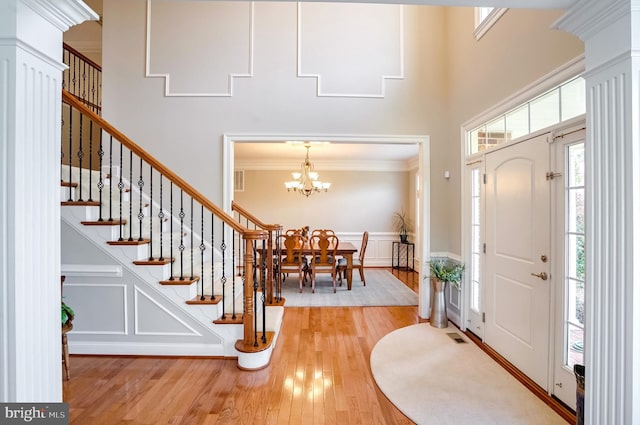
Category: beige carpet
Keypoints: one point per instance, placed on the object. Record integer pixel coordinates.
(436, 381)
(383, 289)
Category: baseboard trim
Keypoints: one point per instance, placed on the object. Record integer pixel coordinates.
(539, 392)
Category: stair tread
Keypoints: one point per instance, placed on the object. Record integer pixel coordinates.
(68, 184)
(154, 262)
(207, 300)
(104, 223)
(80, 203)
(177, 281)
(128, 242)
(228, 320)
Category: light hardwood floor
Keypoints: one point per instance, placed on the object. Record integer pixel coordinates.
(319, 374)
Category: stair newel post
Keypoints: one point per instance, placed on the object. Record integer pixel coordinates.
(248, 318)
(263, 280)
(140, 212)
(252, 271)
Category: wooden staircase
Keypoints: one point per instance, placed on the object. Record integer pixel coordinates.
(184, 252)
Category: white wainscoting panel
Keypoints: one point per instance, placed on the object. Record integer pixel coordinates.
(100, 309)
(178, 34)
(378, 252)
(151, 318)
(350, 49)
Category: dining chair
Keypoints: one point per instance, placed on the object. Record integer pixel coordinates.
(358, 263)
(323, 257)
(322, 232)
(291, 258)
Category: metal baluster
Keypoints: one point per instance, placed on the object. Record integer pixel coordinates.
(191, 244)
(140, 213)
(80, 156)
(161, 219)
(90, 159)
(171, 227)
(84, 82)
(111, 178)
(181, 247)
(202, 248)
(100, 181)
(150, 214)
(233, 274)
(213, 252)
(120, 187)
(130, 196)
(223, 279)
(70, 153)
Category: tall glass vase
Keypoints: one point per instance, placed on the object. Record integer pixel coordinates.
(438, 318)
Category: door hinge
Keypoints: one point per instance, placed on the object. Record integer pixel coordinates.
(483, 317)
(484, 178)
(551, 175)
(484, 248)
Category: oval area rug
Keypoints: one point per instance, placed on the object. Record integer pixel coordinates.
(435, 381)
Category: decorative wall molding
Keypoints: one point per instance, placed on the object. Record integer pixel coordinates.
(139, 295)
(325, 165)
(89, 323)
(231, 45)
(321, 91)
(89, 270)
(146, 348)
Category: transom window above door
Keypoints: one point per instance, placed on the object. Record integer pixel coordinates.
(559, 104)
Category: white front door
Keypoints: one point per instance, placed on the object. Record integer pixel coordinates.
(517, 256)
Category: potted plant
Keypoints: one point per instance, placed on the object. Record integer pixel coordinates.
(443, 271)
(402, 225)
(67, 313)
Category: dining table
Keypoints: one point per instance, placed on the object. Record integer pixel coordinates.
(345, 249)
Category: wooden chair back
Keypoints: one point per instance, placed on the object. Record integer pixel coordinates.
(323, 249)
(363, 247)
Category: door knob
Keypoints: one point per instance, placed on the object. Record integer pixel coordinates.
(542, 275)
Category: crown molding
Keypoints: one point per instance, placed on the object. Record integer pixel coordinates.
(63, 14)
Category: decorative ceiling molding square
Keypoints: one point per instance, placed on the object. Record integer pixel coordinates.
(350, 49)
(199, 47)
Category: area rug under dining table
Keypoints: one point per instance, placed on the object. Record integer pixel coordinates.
(383, 289)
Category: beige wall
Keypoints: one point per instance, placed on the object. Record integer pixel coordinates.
(449, 77)
(186, 132)
(357, 201)
(518, 50)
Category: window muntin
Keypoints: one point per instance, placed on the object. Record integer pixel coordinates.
(559, 104)
(574, 239)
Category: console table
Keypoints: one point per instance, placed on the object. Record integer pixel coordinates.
(402, 251)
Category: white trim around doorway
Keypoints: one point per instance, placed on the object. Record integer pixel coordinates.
(228, 169)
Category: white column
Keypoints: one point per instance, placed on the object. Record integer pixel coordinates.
(609, 29)
(30, 105)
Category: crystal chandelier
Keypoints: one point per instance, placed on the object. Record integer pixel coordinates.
(306, 182)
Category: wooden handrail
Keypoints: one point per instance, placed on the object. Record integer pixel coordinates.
(162, 169)
(82, 56)
(254, 219)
